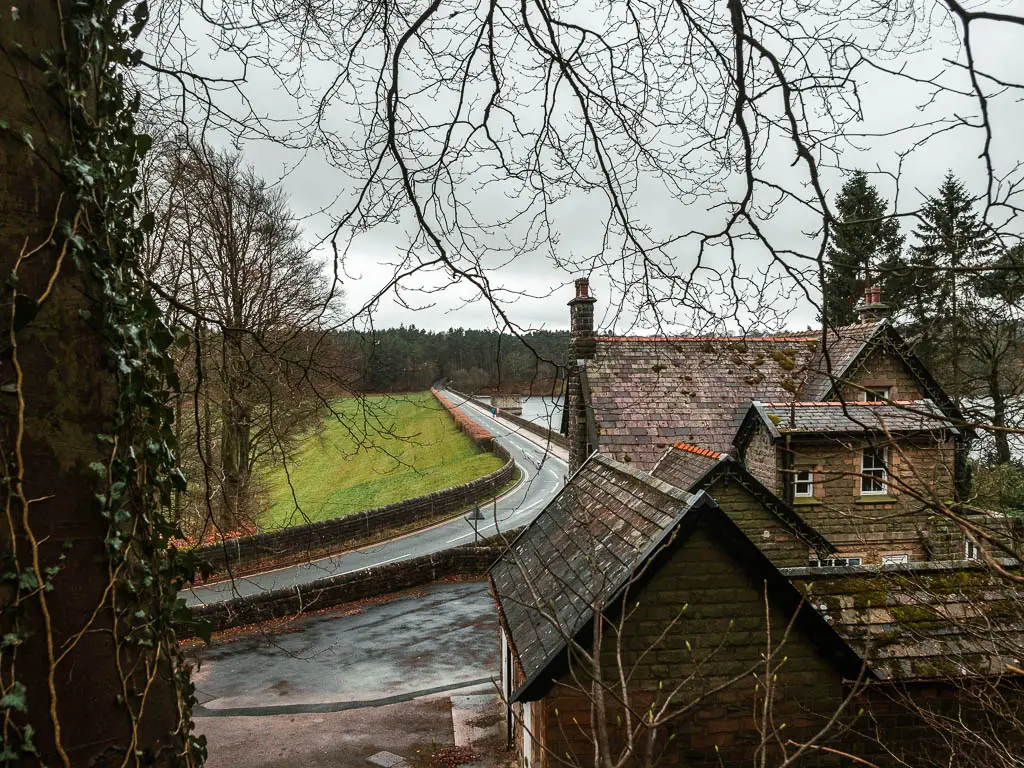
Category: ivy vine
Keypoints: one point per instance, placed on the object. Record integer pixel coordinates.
(99, 230)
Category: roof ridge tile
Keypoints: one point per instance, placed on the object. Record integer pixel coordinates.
(698, 450)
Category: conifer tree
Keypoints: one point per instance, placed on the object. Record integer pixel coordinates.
(865, 239)
(938, 284)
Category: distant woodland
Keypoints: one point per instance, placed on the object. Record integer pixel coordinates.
(408, 358)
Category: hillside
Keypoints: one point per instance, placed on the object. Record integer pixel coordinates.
(384, 449)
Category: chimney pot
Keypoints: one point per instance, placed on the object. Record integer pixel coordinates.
(871, 309)
(582, 287)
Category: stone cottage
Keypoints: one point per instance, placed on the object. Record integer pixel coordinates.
(661, 627)
(853, 431)
(757, 555)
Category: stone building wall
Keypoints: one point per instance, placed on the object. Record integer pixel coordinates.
(873, 526)
(882, 368)
(721, 635)
(771, 535)
(761, 458)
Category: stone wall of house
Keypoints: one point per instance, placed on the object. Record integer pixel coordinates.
(761, 458)
(869, 526)
(721, 635)
(771, 535)
(883, 368)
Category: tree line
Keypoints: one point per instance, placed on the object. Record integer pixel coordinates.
(954, 289)
(408, 358)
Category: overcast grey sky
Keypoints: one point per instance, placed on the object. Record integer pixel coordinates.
(320, 191)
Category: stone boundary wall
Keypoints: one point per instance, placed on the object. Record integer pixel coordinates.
(556, 438)
(249, 554)
(289, 602)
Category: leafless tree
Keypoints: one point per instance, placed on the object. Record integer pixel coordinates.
(253, 302)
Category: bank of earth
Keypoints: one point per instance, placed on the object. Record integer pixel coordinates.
(384, 449)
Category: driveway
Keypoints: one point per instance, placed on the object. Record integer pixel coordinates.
(339, 688)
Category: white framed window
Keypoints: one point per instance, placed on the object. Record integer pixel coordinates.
(874, 394)
(970, 550)
(895, 559)
(874, 479)
(833, 562)
(803, 484)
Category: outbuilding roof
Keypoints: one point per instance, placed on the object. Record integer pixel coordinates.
(922, 620)
(577, 553)
(683, 464)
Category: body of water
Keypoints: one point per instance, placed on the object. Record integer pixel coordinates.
(541, 410)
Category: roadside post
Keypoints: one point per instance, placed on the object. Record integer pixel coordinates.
(474, 518)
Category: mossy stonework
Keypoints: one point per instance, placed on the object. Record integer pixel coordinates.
(89, 669)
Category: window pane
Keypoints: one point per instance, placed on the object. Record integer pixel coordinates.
(804, 483)
(874, 394)
(873, 471)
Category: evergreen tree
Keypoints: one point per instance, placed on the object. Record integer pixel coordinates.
(1005, 281)
(864, 239)
(939, 283)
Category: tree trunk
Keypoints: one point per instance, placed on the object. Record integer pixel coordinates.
(1002, 439)
(57, 394)
(235, 438)
(234, 452)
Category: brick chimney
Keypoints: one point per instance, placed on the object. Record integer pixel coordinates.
(582, 347)
(581, 323)
(870, 309)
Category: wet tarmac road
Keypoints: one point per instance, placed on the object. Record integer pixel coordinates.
(543, 476)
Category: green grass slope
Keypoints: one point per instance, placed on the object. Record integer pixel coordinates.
(386, 449)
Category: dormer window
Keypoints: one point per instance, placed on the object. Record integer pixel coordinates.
(874, 394)
(803, 484)
(874, 479)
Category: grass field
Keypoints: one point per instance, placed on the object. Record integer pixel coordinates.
(386, 450)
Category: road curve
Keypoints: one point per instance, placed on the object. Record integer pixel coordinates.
(543, 475)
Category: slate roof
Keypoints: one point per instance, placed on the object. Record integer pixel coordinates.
(691, 469)
(845, 346)
(650, 392)
(578, 551)
(585, 546)
(837, 417)
(921, 621)
(683, 465)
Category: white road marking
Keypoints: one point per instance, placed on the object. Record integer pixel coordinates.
(385, 562)
(459, 538)
(374, 565)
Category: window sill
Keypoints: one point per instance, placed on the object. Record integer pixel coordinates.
(881, 499)
(806, 501)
